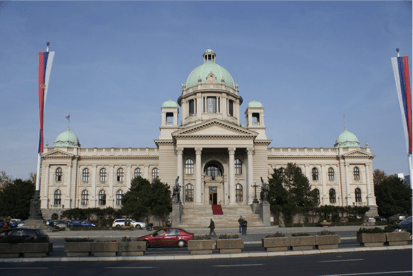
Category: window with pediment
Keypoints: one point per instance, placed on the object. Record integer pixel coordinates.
(189, 193)
(57, 197)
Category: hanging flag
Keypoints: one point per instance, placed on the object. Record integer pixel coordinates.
(402, 78)
(45, 67)
(68, 117)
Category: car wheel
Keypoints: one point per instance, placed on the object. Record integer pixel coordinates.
(147, 244)
(117, 225)
(181, 244)
(138, 226)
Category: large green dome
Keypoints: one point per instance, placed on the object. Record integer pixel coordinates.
(204, 70)
(347, 139)
(67, 139)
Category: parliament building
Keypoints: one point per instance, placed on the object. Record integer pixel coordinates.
(217, 158)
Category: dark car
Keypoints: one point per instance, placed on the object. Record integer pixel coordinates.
(26, 233)
(168, 236)
(406, 224)
(81, 223)
(380, 218)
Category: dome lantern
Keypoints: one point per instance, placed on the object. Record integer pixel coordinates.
(209, 55)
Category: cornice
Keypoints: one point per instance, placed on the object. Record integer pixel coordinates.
(301, 157)
(226, 137)
(241, 131)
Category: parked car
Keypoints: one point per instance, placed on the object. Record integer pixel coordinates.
(168, 236)
(27, 233)
(135, 224)
(60, 224)
(21, 224)
(406, 224)
(397, 217)
(379, 218)
(81, 223)
(14, 222)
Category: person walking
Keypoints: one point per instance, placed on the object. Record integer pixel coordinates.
(244, 226)
(240, 221)
(212, 228)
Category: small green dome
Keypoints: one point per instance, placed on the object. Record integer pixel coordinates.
(169, 103)
(207, 67)
(254, 103)
(347, 139)
(67, 139)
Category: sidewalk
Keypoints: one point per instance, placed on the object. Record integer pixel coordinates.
(199, 257)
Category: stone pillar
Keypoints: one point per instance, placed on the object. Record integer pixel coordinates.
(128, 177)
(250, 181)
(146, 172)
(198, 184)
(368, 184)
(236, 110)
(265, 213)
(323, 179)
(94, 182)
(179, 152)
(199, 103)
(47, 186)
(111, 179)
(347, 185)
(231, 176)
(68, 186)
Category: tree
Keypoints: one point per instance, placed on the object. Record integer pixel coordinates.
(15, 199)
(32, 178)
(392, 196)
(161, 203)
(290, 192)
(379, 176)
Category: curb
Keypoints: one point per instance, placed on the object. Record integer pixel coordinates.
(204, 257)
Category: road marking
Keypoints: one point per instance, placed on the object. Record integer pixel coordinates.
(370, 273)
(23, 267)
(237, 265)
(333, 261)
(133, 267)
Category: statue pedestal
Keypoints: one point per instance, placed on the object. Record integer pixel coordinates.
(255, 206)
(265, 213)
(35, 219)
(176, 214)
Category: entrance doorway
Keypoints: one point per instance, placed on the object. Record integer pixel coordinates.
(213, 196)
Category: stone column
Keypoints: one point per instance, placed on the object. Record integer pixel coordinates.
(250, 152)
(128, 177)
(323, 179)
(111, 179)
(231, 176)
(179, 152)
(68, 186)
(199, 103)
(94, 181)
(146, 175)
(236, 111)
(347, 185)
(368, 184)
(47, 185)
(198, 184)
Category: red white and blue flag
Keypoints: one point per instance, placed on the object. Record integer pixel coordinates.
(402, 78)
(45, 67)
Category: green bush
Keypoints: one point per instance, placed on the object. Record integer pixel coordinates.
(391, 228)
(370, 230)
(275, 235)
(225, 237)
(325, 232)
(202, 237)
(299, 234)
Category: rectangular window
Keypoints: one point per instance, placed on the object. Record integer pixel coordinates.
(191, 107)
(211, 104)
(231, 108)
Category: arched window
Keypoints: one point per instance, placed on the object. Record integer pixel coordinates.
(119, 175)
(330, 174)
(189, 166)
(137, 172)
(102, 175)
(189, 193)
(102, 197)
(57, 197)
(238, 166)
(238, 193)
(155, 174)
(358, 195)
(315, 173)
(318, 196)
(332, 196)
(119, 195)
(84, 197)
(356, 173)
(85, 175)
(212, 170)
(55, 216)
(58, 174)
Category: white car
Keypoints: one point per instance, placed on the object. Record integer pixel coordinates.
(135, 224)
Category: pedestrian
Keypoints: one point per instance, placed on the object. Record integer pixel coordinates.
(244, 226)
(211, 228)
(6, 224)
(240, 221)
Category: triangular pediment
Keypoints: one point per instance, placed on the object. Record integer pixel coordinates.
(215, 127)
(57, 154)
(358, 153)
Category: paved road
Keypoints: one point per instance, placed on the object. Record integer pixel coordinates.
(397, 262)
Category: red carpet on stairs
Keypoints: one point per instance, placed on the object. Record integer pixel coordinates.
(217, 210)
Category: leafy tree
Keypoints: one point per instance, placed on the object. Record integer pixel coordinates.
(15, 199)
(290, 192)
(392, 196)
(379, 176)
(161, 204)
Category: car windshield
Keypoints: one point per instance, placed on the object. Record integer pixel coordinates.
(406, 221)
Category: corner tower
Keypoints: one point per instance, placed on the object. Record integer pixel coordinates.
(209, 93)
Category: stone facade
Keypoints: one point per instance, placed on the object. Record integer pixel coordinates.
(216, 158)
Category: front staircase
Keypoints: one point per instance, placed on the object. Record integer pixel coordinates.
(199, 217)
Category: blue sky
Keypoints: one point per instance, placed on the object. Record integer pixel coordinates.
(117, 62)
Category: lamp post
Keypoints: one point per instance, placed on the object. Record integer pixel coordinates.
(255, 189)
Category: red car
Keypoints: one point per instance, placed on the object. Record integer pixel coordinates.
(168, 236)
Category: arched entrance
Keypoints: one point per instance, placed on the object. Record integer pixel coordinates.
(213, 183)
